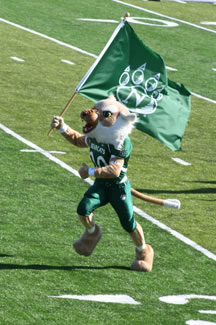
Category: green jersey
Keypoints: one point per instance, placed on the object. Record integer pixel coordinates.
(101, 154)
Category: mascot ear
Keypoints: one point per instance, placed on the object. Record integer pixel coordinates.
(112, 98)
(131, 117)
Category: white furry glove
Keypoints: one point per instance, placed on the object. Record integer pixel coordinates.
(57, 122)
(83, 171)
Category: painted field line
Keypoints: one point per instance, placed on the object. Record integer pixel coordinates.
(180, 161)
(47, 37)
(175, 234)
(117, 299)
(204, 98)
(35, 151)
(208, 23)
(76, 48)
(179, 1)
(89, 181)
(40, 150)
(16, 59)
(164, 16)
(67, 62)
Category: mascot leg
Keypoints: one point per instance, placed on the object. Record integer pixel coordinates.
(89, 239)
(144, 253)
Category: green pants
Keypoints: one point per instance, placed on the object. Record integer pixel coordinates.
(118, 195)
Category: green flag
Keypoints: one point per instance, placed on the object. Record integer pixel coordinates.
(136, 76)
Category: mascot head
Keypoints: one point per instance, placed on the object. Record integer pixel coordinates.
(108, 122)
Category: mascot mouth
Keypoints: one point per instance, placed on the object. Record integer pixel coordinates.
(88, 128)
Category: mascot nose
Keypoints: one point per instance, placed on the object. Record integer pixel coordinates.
(83, 114)
(88, 112)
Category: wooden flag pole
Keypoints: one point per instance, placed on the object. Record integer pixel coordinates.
(89, 72)
(126, 15)
(65, 109)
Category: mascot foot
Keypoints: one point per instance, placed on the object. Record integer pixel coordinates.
(87, 242)
(144, 260)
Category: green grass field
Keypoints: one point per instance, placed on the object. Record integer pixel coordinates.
(38, 198)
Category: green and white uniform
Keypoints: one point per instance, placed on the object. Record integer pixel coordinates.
(116, 191)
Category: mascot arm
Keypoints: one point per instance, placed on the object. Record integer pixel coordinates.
(71, 135)
(75, 138)
(113, 170)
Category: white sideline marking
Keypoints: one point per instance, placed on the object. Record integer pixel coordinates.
(175, 234)
(33, 150)
(204, 98)
(42, 151)
(136, 210)
(214, 69)
(198, 322)
(99, 20)
(172, 18)
(171, 69)
(16, 59)
(67, 62)
(47, 37)
(179, 1)
(180, 161)
(78, 49)
(213, 312)
(208, 23)
(118, 299)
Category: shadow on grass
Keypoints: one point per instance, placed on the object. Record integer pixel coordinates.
(205, 190)
(5, 255)
(56, 267)
(204, 182)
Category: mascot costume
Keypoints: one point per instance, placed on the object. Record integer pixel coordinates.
(106, 131)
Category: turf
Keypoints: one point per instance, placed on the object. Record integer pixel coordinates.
(38, 226)
(39, 198)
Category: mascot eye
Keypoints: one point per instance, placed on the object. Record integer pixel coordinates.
(107, 114)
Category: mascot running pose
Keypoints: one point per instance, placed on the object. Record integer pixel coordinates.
(106, 131)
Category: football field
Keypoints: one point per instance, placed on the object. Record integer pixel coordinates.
(46, 49)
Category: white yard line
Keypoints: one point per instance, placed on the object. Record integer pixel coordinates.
(180, 161)
(16, 59)
(47, 37)
(161, 15)
(89, 181)
(204, 98)
(40, 150)
(67, 62)
(35, 151)
(80, 50)
(208, 23)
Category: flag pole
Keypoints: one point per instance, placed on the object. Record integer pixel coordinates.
(65, 109)
(126, 16)
(84, 79)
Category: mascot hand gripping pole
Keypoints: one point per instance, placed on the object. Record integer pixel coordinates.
(106, 130)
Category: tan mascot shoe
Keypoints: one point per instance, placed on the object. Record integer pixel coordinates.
(144, 253)
(144, 260)
(87, 242)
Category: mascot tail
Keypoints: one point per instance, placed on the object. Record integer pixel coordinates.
(170, 203)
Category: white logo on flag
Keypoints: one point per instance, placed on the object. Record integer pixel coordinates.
(143, 95)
